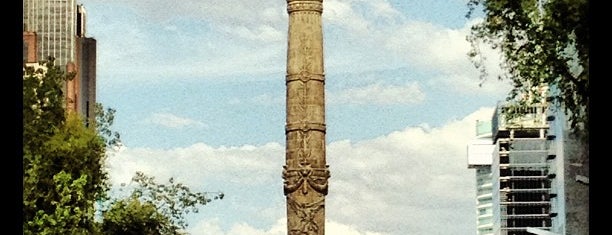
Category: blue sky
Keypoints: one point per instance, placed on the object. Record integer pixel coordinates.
(199, 91)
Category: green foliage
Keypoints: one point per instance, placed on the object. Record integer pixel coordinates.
(165, 206)
(104, 121)
(43, 102)
(64, 218)
(543, 43)
(64, 174)
(131, 216)
(62, 161)
(63, 180)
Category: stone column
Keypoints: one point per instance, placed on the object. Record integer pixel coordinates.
(305, 172)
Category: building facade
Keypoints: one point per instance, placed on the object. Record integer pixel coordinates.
(56, 28)
(479, 153)
(537, 173)
(520, 170)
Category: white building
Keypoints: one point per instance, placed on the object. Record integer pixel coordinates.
(538, 174)
(520, 170)
(479, 157)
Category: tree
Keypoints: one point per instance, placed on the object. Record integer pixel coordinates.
(104, 120)
(63, 159)
(130, 216)
(154, 208)
(543, 42)
(65, 177)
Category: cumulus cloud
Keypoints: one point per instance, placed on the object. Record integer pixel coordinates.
(410, 181)
(234, 15)
(217, 40)
(342, 14)
(268, 99)
(413, 181)
(154, 40)
(379, 94)
(239, 164)
(213, 227)
(172, 121)
(359, 31)
(333, 227)
(465, 84)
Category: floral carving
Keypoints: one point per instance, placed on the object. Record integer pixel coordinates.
(306, 213)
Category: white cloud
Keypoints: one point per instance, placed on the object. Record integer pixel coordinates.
(208, 227)
(444, 51)
(213, 227)
(154, 40)
(172, 121)
(237, 17)
(459, 74)
(268, 99)
(240, 10)
(241, 165)
(366, 36)
(429, 46)
(468, 85)
(410, 181)
(413, 181)
(342, 14)
(216, 40)
(264, 33)
(333, 227)
(379, 94)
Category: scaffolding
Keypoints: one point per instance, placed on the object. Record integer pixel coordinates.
(522, 170)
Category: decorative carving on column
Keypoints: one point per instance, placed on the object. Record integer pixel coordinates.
(306, 213)
(309, 6)
(305, 173)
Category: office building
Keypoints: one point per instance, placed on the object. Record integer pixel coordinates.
(520, 170)
(56, 28)
(538, 172)
(479, 157)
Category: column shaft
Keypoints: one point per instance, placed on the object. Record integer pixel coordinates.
(305, 172)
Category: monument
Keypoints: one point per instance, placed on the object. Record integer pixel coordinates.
(305, 173)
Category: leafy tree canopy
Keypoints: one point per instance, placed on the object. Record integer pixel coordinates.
(153, 207)
(62, 158)
(65, 177)
(544, 43)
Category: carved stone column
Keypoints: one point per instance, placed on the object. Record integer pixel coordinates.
(305, 172)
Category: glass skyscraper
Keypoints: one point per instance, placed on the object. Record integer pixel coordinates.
(56, 28)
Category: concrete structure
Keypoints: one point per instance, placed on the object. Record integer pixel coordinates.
(479, 157)
(86, 77)
(539, 173)
(56, 28)
(520, 170)
(305, 171)
(568, 159)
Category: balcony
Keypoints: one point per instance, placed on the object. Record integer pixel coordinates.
(532, 177)
(516, 229)
(483, 196)
(528, 190)
(530, 203)
(527, 216)
(523, 165)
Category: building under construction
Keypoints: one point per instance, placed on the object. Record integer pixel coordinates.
(521, 170)
(532, 175)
